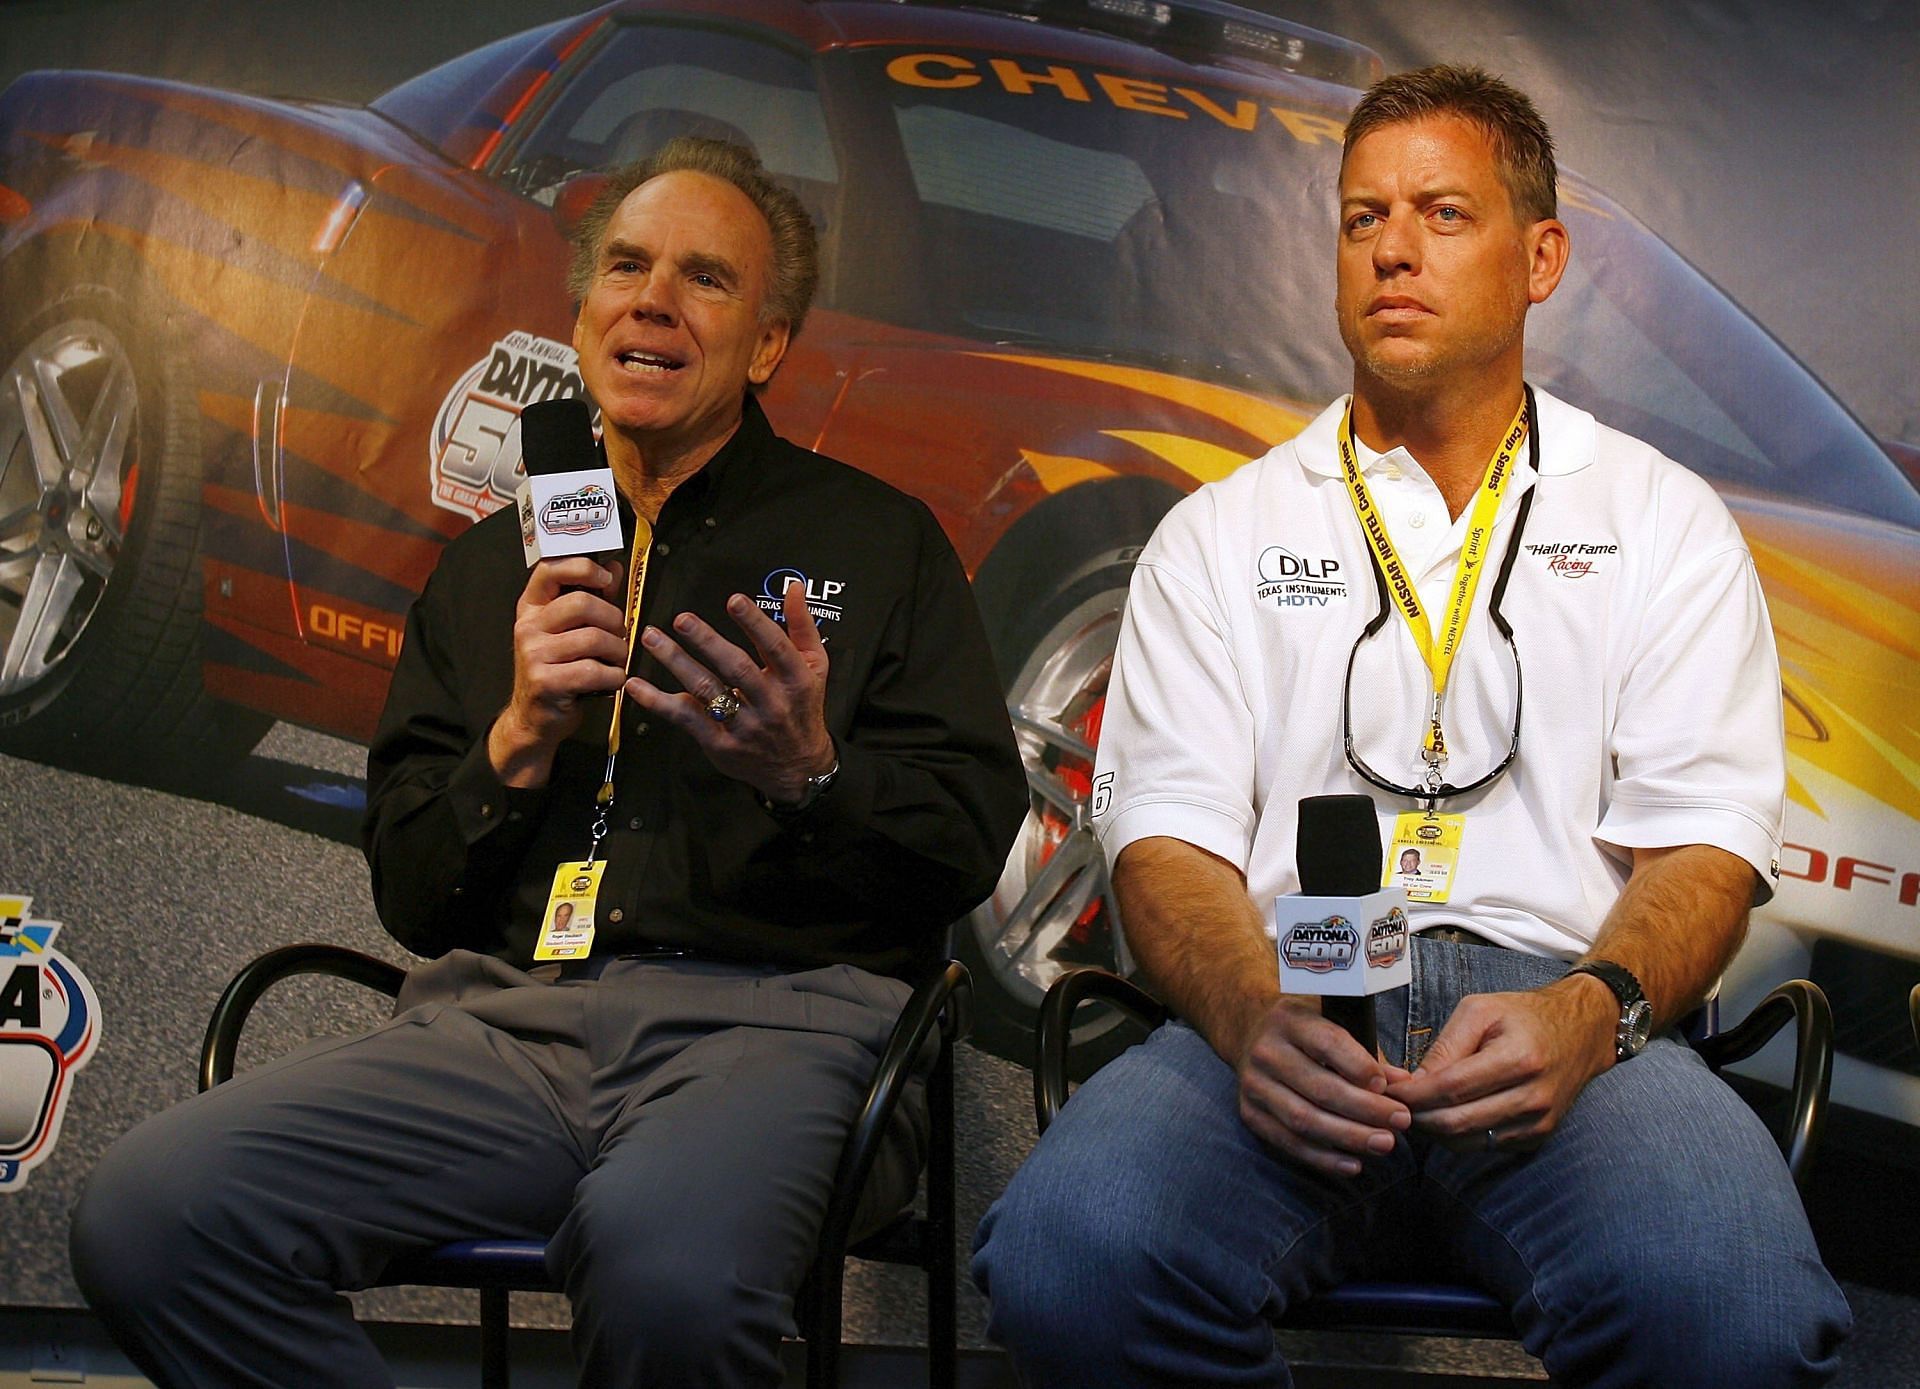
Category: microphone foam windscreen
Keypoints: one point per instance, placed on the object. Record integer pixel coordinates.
(1337, 849)
(556, 436)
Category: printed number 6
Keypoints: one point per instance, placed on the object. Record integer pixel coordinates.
(1102, 795)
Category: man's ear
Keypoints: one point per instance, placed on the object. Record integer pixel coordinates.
(769, 351)
(1548, 247)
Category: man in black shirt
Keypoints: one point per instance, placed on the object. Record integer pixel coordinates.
(792, 818)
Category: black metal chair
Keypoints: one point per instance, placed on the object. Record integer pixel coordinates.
(1443, 1309)
(1913, 1009)
(497, 1268)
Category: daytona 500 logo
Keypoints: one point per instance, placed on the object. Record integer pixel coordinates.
(578, 513)
(49, 1025)
(1321, 946)
(474, 449)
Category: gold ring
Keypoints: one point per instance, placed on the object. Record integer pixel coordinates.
(723, 706)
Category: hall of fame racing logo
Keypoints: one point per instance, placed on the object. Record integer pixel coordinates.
(578, 513)
(1288, 580)
(1572, 559)
(1321, 947)
(49, 1024)
(823, 596)
(474, 450)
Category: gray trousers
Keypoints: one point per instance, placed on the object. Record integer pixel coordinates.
(671, 1129)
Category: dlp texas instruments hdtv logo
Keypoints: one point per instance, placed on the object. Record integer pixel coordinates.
(49, 1024)
(1288, 580)
(823, 596)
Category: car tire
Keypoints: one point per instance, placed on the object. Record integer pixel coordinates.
(1051, 910)
(100, 580)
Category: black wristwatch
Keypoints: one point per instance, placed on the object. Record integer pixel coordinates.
(1636, 1014)
(816, 787)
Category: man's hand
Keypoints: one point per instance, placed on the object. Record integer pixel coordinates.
(569, 641)
(779, 736)
(1511, 1063)
(1310, 1090)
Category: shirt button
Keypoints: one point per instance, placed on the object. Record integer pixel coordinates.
(635, 823)
(1393, 472)
(486, 810)
(514, 815)
(709, 523)
(663, 548)
(616, 916)
(1418, 519)
(639, 730)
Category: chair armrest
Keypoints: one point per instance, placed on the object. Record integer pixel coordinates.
(1055, 1032)
(1913, 1007)
(256, 977)
(945, 1001)
(1802, 1001)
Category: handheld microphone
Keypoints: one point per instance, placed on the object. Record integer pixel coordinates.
(567, 505)
(1344, 937)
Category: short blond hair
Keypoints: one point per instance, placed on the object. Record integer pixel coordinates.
(1522, 144)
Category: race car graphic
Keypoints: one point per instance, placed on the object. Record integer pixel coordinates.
(260, 359)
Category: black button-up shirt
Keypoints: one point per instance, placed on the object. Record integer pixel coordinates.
(912, 833)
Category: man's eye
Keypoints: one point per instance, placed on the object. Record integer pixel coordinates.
(1361, 221)
(1448, 214)
(706, 281)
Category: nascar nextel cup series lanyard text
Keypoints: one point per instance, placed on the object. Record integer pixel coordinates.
(1438, 655)
(636, 581)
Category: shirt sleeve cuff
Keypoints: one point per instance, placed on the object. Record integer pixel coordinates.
(1219, 832)
(1629, 825)
(845, 806)
(484, 807)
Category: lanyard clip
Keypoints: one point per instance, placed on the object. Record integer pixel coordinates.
(603, 802)
(1434, 752)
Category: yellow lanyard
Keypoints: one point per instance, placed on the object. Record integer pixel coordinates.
(636, 582)
(1466, 576)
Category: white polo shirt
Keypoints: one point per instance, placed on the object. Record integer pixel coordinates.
(1652, 691)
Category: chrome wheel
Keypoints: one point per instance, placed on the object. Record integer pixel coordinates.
(68, 444)
(1052, 910)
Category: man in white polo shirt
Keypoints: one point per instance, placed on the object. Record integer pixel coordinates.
(1359, 612)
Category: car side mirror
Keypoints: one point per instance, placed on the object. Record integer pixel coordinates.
(1906, 457)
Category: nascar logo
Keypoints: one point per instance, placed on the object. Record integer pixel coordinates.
(49, 1025)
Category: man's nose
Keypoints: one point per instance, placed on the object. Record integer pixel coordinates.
(1397, 246)
(653, 298)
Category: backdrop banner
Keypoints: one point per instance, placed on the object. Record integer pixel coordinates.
(277, 280)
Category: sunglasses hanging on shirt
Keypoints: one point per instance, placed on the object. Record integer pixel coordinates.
(1435, 837)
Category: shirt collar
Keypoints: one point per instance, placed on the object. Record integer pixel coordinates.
(717, 481)
(724, 478)
(1567, 438)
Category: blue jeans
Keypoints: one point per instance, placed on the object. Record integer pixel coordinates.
(1654, 1239)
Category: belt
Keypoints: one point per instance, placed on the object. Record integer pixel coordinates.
(556, 972)
(1459, 935)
